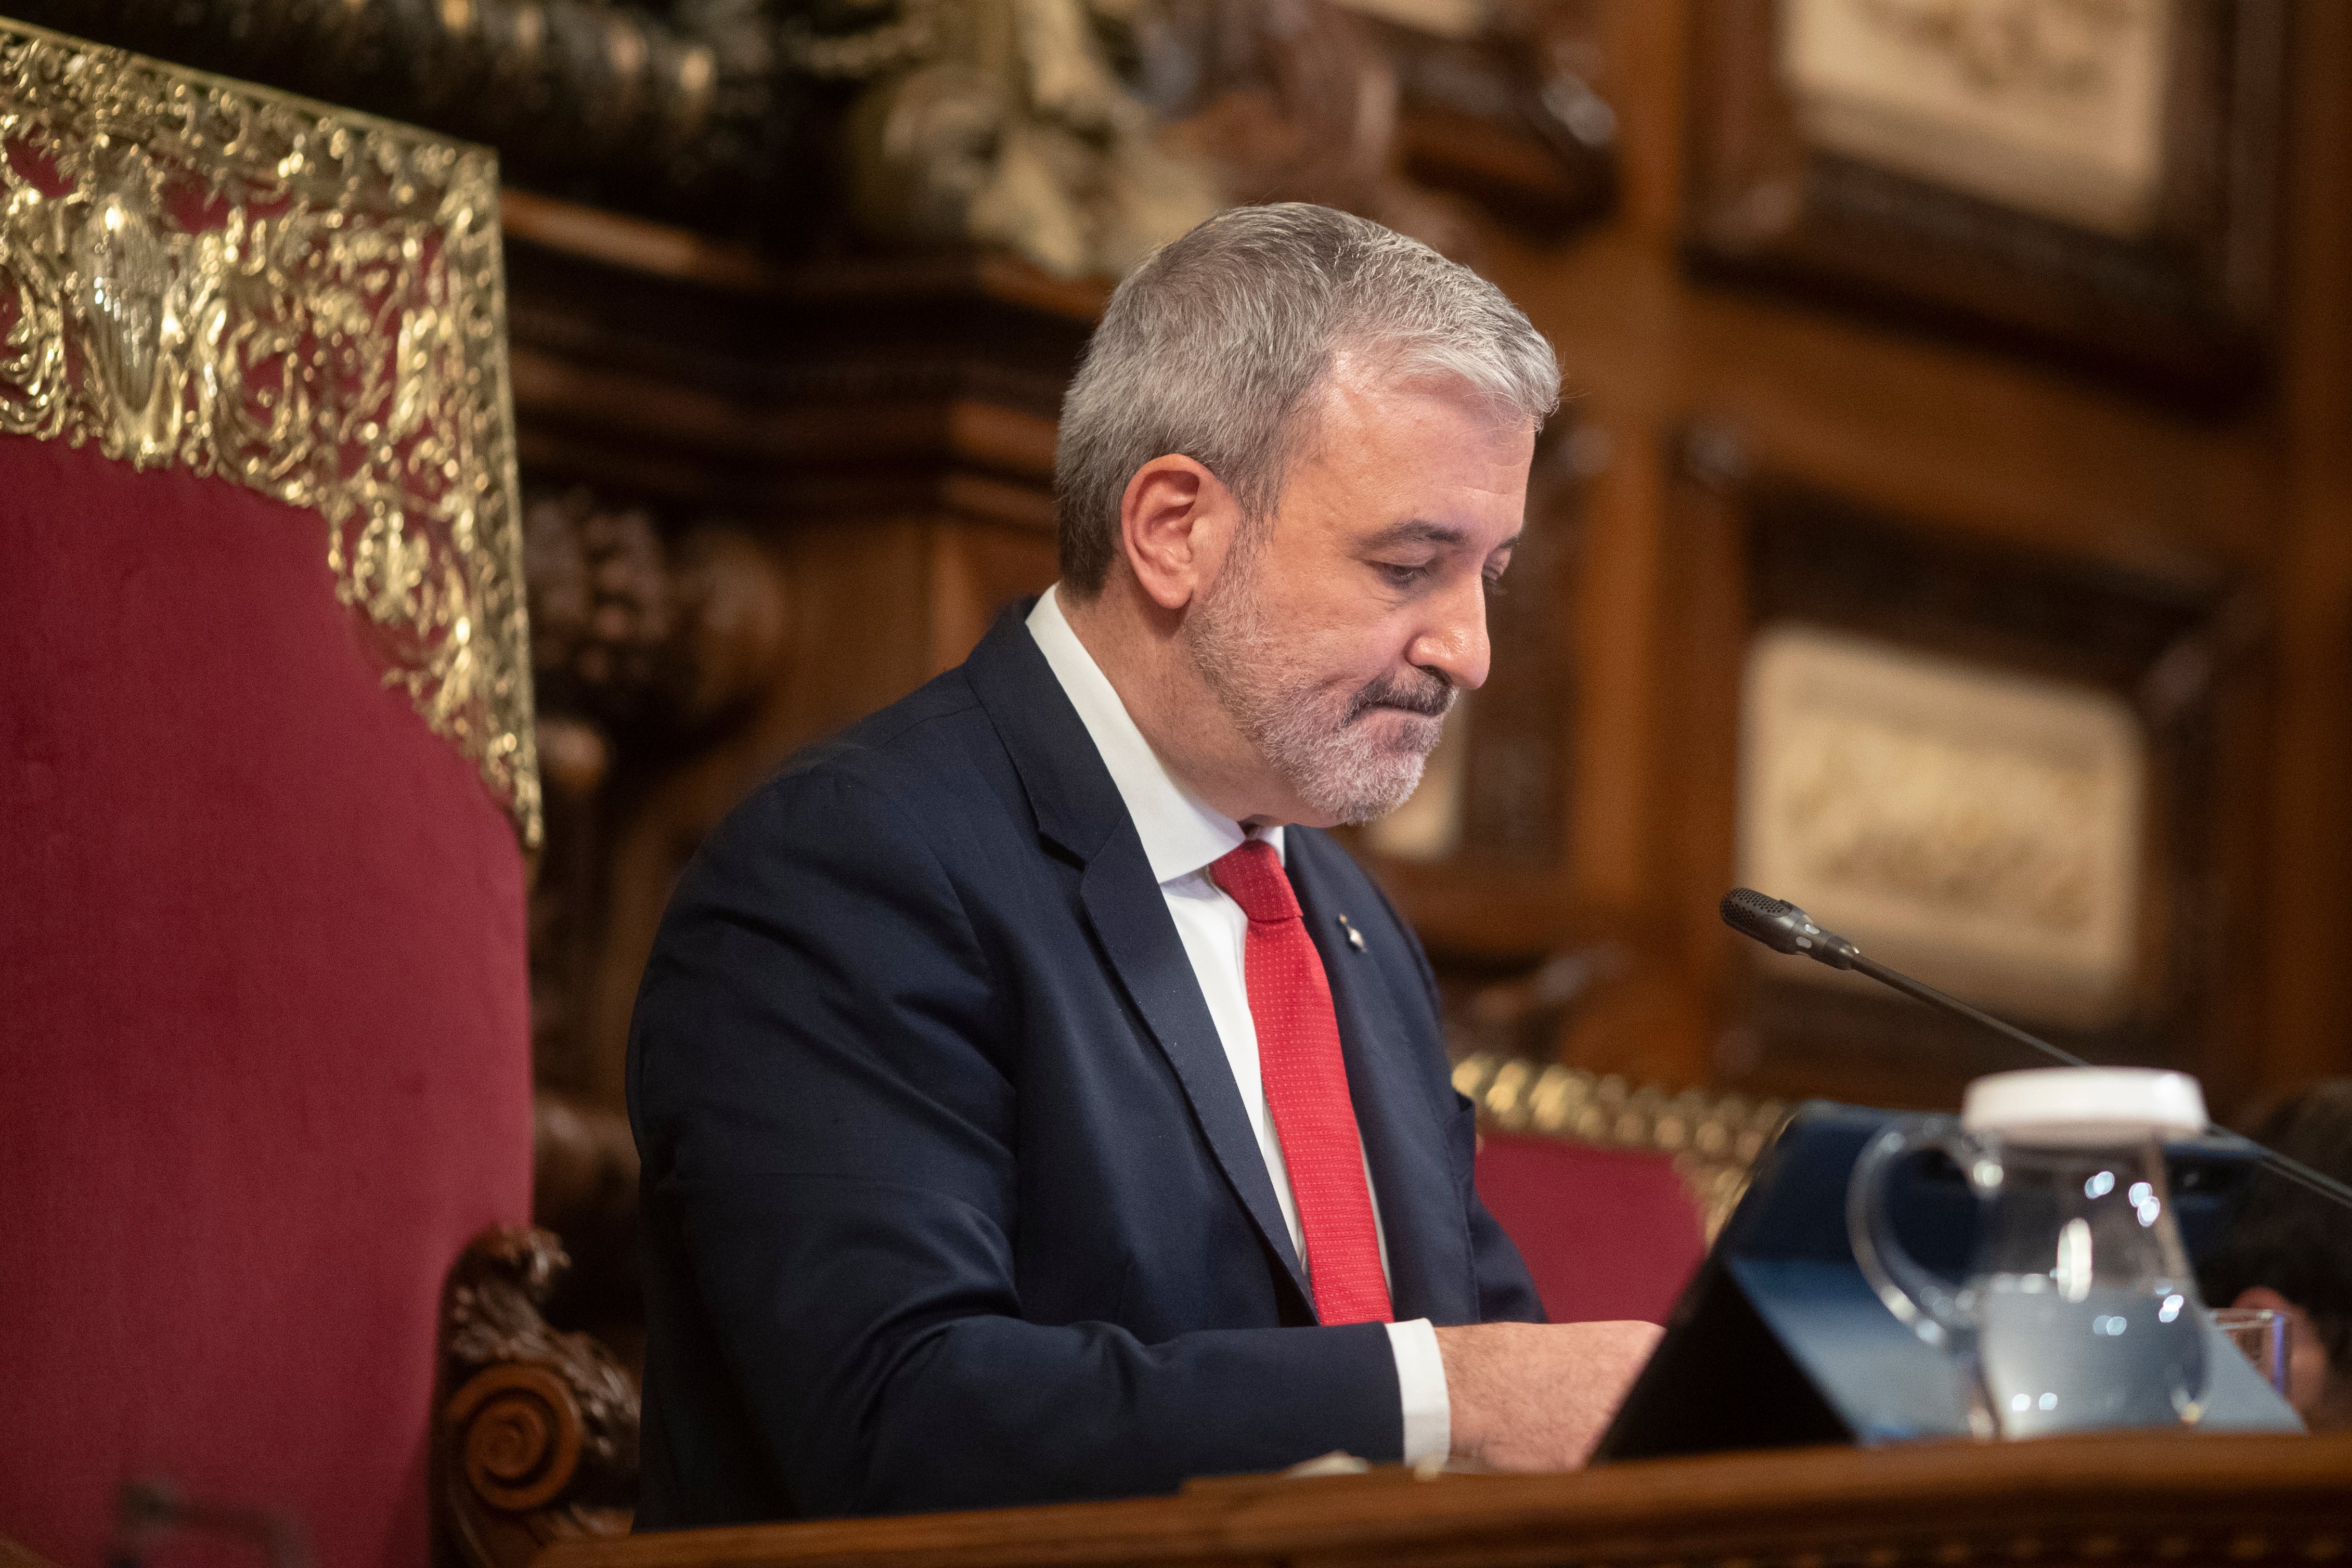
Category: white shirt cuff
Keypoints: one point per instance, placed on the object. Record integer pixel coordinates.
(1421, 1382)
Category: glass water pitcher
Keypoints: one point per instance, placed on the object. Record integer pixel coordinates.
(2078, 1311)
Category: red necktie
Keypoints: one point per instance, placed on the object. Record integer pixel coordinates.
(1306, 1088)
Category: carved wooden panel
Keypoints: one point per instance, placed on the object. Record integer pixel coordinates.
(763, 501)
(2178, 654)
(536, 1437)
(2178, 301)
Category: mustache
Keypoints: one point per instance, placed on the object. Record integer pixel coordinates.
(1432, 695)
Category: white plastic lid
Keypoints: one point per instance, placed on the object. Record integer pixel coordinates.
(2077, 1107)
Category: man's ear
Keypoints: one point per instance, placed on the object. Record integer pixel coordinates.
(1175, 521)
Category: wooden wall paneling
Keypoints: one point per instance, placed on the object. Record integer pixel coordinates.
(1971, 439)
(2184, 308)
(977, 572)
(1696, 771)
(2307, 1030)
(1612, 635)
(1508, 121)
(1492, 897)
(1966, 439)
(888, 430)
(1520, 764)
(1001, 544)
(875, 438)
(2184, 653)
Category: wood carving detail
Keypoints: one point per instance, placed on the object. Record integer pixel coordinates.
(1037, 125)
(690, 112)
(538, 1440)
(2134, 235)
(1302, 101)
(651, 643)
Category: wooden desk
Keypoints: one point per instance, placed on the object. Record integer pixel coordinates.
(2177, 1501)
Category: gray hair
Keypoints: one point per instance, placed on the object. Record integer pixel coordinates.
(1217, 347)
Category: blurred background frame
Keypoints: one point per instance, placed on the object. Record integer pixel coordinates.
(1970, 813)
(2098, 182)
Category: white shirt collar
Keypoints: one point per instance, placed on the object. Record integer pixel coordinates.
(1182, 834)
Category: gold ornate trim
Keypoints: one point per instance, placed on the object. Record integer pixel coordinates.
(306, 300)
(1714, 1139)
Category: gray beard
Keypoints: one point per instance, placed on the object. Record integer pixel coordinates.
(1311, 736)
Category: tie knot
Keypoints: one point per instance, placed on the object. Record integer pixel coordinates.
(1252, 876)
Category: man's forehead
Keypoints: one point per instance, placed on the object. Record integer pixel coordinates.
(1347, 426)
(1369, 385)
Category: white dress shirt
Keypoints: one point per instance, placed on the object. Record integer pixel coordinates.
(1181, 836)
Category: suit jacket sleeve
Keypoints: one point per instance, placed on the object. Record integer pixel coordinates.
(822, 1076)
(1506, 1292)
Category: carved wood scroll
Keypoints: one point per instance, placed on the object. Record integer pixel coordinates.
(536, 1440)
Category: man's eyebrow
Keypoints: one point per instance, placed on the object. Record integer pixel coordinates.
(1419, 531)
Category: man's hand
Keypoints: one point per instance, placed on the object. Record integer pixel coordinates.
(1537, 1396)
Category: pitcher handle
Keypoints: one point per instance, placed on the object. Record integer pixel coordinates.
(1914, 1293)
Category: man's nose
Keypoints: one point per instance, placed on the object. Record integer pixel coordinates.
(1453, 640)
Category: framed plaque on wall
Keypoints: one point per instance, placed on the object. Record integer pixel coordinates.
(1977, 828)
(2094, 181)
(2027, 777)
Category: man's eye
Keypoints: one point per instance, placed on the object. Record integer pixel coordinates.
(1402, 576)
(1495, 589)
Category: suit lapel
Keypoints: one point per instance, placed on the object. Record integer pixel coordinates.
(1131, 919)
(1430, 1264)
(1078, 807)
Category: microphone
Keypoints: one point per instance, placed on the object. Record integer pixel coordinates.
(1785, 928)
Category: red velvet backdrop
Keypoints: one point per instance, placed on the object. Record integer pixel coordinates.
(264, 1048)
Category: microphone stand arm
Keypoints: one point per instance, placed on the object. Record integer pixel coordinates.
(2279, 1165)
(1917, 991)
(1785, 928)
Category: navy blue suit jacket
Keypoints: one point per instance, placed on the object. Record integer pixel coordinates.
(950, 1196)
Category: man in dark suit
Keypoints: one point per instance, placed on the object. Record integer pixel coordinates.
(1033, 1104)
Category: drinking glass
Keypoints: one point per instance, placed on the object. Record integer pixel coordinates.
(2260, 1334)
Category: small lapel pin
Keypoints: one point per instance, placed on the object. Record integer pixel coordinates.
(1355, 938)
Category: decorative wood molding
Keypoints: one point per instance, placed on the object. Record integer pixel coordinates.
(1712, 1139)
(2198, 1501)
(669, 369)
(536, 1440)
(793, 125)
(647, 113)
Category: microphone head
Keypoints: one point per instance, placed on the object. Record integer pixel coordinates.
(1785, 928)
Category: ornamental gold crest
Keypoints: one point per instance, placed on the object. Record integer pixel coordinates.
(305, 301)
